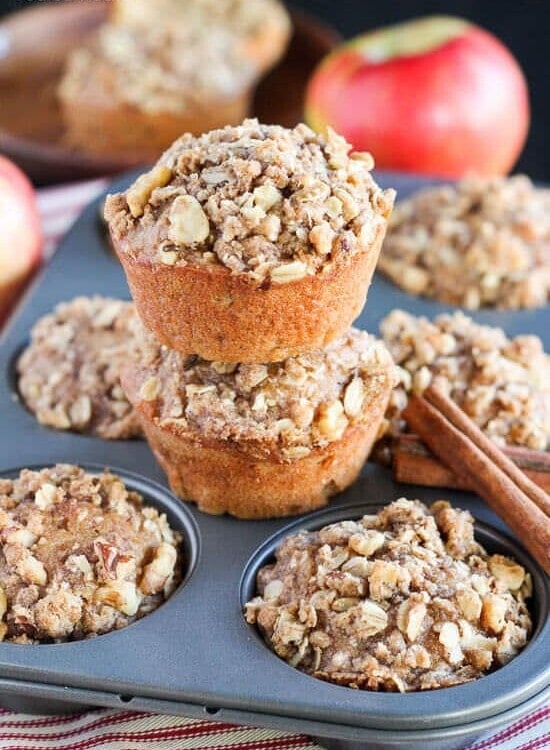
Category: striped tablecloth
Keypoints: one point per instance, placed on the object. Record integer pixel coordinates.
(129, 730)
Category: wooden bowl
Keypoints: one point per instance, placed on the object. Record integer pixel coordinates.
(33, 45)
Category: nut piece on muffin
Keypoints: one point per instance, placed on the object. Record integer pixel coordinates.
(480, 243)
(403, 600)
(81, 555)
(158, 70)
(502, 384)
(251, 243)
(69, 375)
(261, 441)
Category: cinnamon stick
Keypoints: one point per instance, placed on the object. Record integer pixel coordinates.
(459, 450)
(462, 422)
(413, 463)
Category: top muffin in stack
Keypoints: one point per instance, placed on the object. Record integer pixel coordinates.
(251, 225)
(253, 245)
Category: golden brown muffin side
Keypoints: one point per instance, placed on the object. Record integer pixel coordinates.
(219, 316)
(222, 478)
(261, 440)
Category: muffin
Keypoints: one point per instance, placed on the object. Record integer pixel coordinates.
(260, 28)
(502, 384)
(81, 555)
(260, 441)
(69, 375)
(480, 243)
(252, 243)
(162, 70)
(402, 600)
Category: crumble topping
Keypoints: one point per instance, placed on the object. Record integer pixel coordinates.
(265, 201)
(69, 373)
(163, 62)
(502, 384)
(478, 243)
(241, 18)
(282, 408)
(398, 601)
(81, 555)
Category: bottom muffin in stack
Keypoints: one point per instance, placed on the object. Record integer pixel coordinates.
(261, 440)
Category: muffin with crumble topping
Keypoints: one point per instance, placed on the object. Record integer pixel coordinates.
(82, 555)
(69, 374)
(251, 243)
(261, 440)
(157, 70)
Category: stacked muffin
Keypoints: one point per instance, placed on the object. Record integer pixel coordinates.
(249, 251)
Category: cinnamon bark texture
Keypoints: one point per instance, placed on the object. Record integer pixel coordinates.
(413, 463)
(462, 447)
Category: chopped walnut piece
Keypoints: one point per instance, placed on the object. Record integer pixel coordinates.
(332, 421)
(406, 617)
(45, 495)
(493, 612)
(507, 571)
(288, 272)
(188, 222)
(80, 576)
(157, 573)
(151, 389)
(140, 192)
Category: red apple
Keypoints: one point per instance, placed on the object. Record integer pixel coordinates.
(437, 95)
(20, 233)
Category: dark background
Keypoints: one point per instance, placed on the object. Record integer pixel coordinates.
(522, 25)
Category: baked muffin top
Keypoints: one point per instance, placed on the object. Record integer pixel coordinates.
(69, 375)
(402, 600)
(172, 56)
(502, 384)
(242, 18)
(283, 408)
(479, 243)
(81, 555)
(268, 202)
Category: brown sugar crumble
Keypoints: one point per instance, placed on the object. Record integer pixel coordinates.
(480, 243)
(69, 373)
(281, 408)
(502, 384)
(81, 555)
(402, 600)
(264, 201)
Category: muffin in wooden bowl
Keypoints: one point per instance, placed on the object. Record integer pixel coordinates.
(151, 75)
(260, 441)
(251, 243)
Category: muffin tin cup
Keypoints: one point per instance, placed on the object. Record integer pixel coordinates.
(196, 656)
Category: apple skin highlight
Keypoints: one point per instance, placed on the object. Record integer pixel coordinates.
(455, 108)
(20, 233)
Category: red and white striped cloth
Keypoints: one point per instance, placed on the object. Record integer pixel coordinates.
(128, 730)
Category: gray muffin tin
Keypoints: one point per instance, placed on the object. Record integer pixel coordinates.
(196, 656)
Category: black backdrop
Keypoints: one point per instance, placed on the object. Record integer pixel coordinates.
(522, 24)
